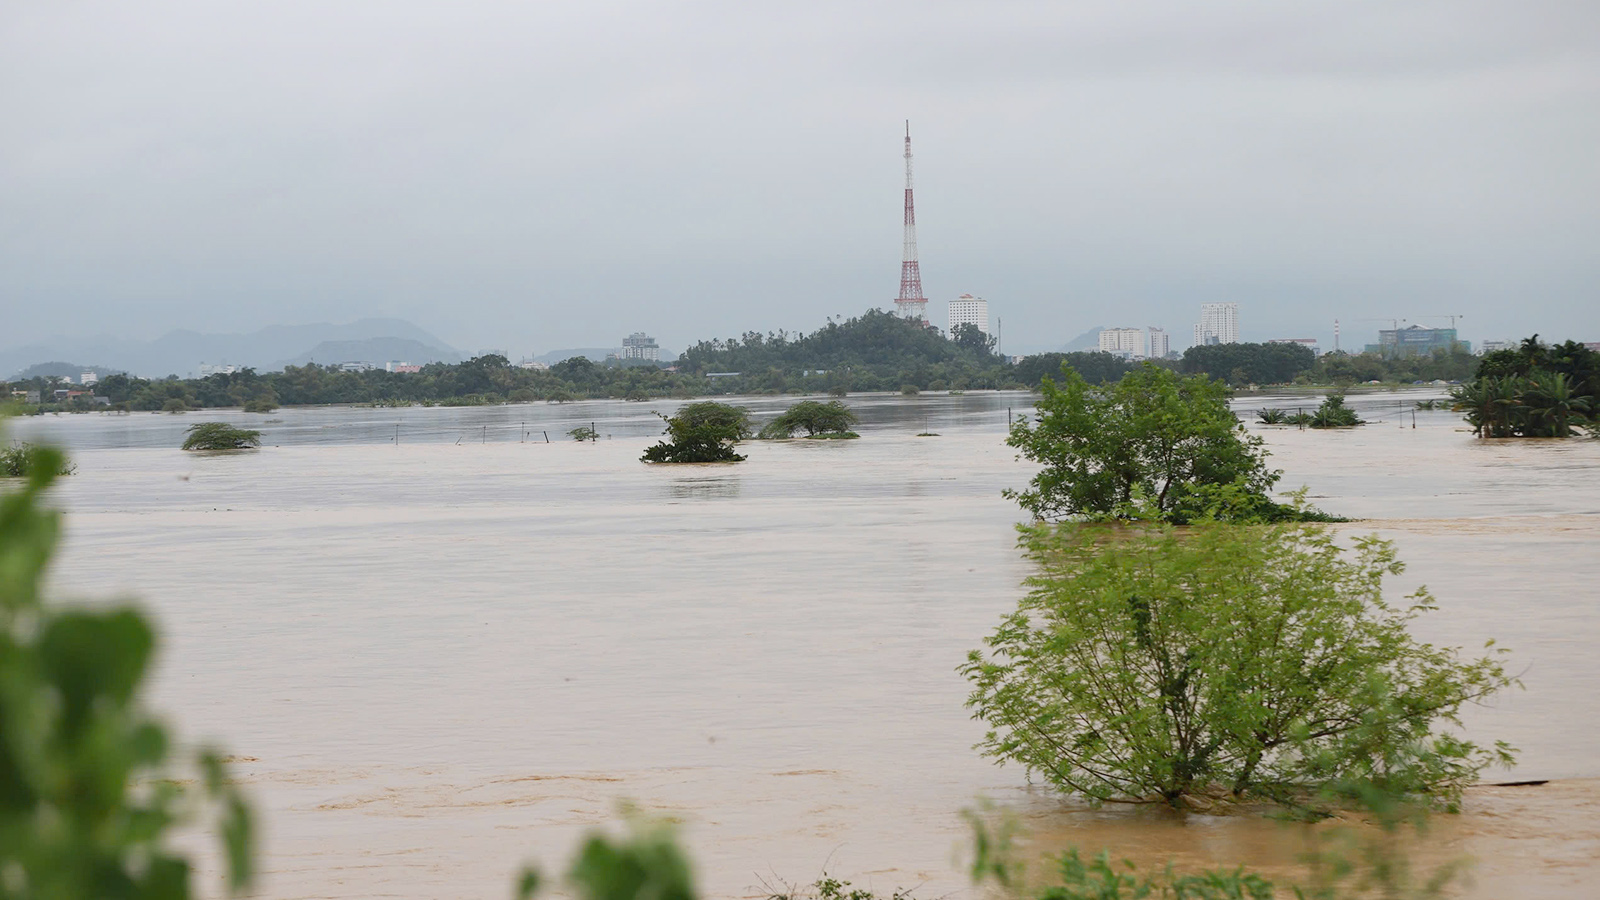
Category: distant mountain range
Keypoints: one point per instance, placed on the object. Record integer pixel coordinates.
(182, 352)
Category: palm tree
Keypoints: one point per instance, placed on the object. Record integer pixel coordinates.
(1553, 408)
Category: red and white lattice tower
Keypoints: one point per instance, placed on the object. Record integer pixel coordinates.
(910, 304)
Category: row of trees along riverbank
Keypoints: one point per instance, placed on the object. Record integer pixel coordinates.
(875, 351)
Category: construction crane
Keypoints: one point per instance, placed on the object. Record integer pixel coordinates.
(1395, 323)
(1449, 316)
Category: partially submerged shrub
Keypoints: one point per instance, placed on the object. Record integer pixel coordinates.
(584, 433)
(1153, 445)
(1272, 416)
(220, 436)
(814, 418)
(20, 459)
(1334, 414)
(1223, 662)
(702, 432)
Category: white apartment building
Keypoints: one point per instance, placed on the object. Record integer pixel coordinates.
(969, 310)
(1160, 343)
(640, 346)
(1125, 342)
(1219, 324)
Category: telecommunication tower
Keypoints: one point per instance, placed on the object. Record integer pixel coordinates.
(910, 304)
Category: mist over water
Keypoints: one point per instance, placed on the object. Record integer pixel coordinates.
(439, 657)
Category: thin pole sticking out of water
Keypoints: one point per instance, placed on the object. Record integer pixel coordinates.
(397, 434)
(485, 439)
(546, 436)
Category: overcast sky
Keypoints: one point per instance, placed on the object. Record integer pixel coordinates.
(534, 175)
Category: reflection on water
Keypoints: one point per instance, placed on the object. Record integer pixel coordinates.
(440, 658)
(705, 487)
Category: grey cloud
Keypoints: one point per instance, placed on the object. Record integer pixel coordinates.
(560, 174)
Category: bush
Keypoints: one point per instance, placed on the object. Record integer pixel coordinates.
(1272, 416)
(909, 390)
(174, 405)
(1334, 414)
(89, 792)
(584, 433)
(20, 459)
(702, 432)
(831, 418)
(1153, 445)
(220, 436)
(261, 405)
(1223, 662)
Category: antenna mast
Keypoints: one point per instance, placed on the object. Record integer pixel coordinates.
(910, 304)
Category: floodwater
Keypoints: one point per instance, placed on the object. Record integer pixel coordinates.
(439, 656)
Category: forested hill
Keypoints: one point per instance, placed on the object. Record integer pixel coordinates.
(874, 351)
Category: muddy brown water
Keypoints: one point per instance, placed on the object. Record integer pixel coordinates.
(437, 659)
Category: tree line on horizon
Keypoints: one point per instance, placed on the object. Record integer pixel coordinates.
(876, 351)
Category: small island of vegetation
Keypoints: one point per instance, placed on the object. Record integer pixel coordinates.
(1155, 445)
(1534, 390)
(220, 436)
(820, 421)
(702, 432)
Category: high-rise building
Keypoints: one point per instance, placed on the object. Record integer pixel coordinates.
(1160, 343)
(1124, 342)
(640, 346)
(1219, 324)
(1416, 341)
(969, 310)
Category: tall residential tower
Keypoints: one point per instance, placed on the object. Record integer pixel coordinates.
(1219, 324)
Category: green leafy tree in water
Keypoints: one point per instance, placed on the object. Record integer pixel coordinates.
(702, 432)
(220, 436)
(814, 418)
(1223, 662)
(1332, 413)
(1153, 445)
(88, 790)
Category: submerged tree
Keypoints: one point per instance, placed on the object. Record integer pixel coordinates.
(1153, 445)
(831, 418)
(1223, 662)
(1334, 414)
(702, 432)
(220, 436)
(1533, 390)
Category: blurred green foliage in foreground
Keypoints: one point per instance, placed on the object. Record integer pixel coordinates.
(90, 788)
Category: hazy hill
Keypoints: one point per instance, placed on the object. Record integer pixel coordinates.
(181, 352)
(594, 354)
(61, 370)
(1089, 340)
(373, 350)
